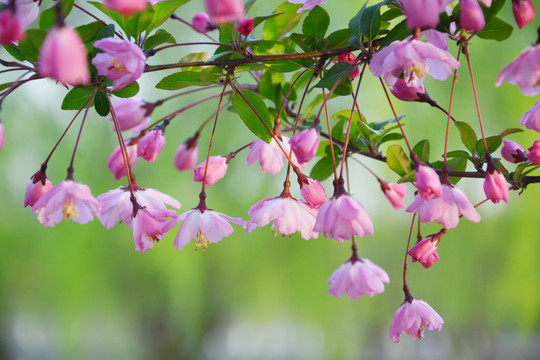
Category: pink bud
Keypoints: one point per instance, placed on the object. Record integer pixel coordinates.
(126, 7)
(2, 136)
(131, 113)
(422, 13)
(151, 145)
(202, 23)
(186, 155)
(428, 182)
(313, 192)
(225, 11)
(394, 193)
(245, 26)
(35, 191)
(116, 161)
(513, 152)
(495, 185)
(425, 251)
(472, 17)
(534, 153)
(351, 59)
(407, 93)
(217, 168)
(305, 144)
(524, 12)
(63, 57)
(10, 29)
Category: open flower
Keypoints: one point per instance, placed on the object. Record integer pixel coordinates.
(122, 61)
(358, 277)
(150, 225)
(205, 226)
(412, 61)
(270, 155)
(413, 318)
(307, 4)
(531, 118)
(67, 200)
(524, 71)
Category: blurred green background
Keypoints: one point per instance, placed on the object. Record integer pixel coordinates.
(82, 292)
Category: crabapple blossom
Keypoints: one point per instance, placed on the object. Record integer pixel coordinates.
(524, 12)
(35, 190)
(217, 168)
(513, 152)
(358, 277)
(531, 118)
(202, 23)
(472, 17)
(26, 11)
(495, 185)
(131, 113)
(413, 317)
(394, 193)
(126, 7)
(225, 11)
(534, 153)
(10, 29)
(307, 4)
(2, 136)
(407, 93)
(524, 71)
(351, 59)
(305, 144)
(425, 251)
(186, 155)
(150, 225)
(422, 13)
(116, 161)
(427, 182)
(313, 192)
(245, 26)
(270, 155)
(151, 144)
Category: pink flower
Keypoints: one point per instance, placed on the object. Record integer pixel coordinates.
(445, 209)
(307, 4)
(287, 215)
(534, 153)
(126, 7)
(186, 155)
(225, 11)
(67, 200)
(26, 11)
(342, 217)
(413, 317)
(10, 29)
(472, 16)
(305, 144)
(2, 136)
(427, 182)
(425, 251)
(437, 38)
(270, 156)
(63, 57)
(495, 185)
(531, 118)
(412, 61)
(116, 161)
(394, 193)
(217, 168)
(358, 277)
(513, 152)
(524, 12)
(34, 191)
(245, 26)
(407, 93)
(351, 59)
(524, 71)
(313, 192)
(150, 225)
(206, 226)
(116, 204)
(202, 23)
(151, 144)
(123, 62)
(131, 113)
(421, 13)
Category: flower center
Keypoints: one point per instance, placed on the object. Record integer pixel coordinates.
(411, 71)
(420, 332)
(116, 65)
(201, 240)
(70, 210)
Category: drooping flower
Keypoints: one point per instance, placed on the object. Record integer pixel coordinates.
(131, 113)
(202, 23)
(151, 144)
(126, 7)
(10, 29)
(513, 152)
(305, 144)
(116, 161)
(225, 11)
(270, 155)
(122, 61)
(67, 200)
(524, 71)
(35, 190)
(245, 26)
(63, 57)
(186, 155)
(534, 153)
(394, 193)
(307, 4)
(413, 317)
(472, 16)
(26, 11)
(150, 225)
(351, 59)
(524, 12)
(206, 227)
(445, 209)
(358, 277)
(412, 61)
(425, 251)
(421, 13)
(437, 38)
(287, 215)
(217, 168)
(407, 93)
(312, 191)
(427, 182)
(496, 187)
(531, 118)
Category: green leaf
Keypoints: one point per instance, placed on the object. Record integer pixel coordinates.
(458, 153)
(13, 51)
(182, 80)
(339, 38)
(101, 103)
(398, 32)
(260, 19)
(127, 91)
(276, 27)
(456, 164)
(48, 17)
(30, 45)
(202, 56)
(367, 21)
(116, 16)
(493, 143)
(138, 23)
(468, 136)
(492, 11)
(381, 124)
(316, 23)
(391, 13)
(250, 118)
(270, 82)
(397, 160)
(248, 5)
(496, 29)
(272, 47)
(323, 169)
(390, 137)
(90, 32)
(510, 131)
(422, 150)
(306, 42)
(5, 85)
(162, 11)
(160, 37)
(337, 71)
(76, 98)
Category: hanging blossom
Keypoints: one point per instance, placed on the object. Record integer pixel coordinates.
(307, 4)
(412, 61)
(26, 11)
(524, 71)
(225, 11)
(425, 251)
(513, 152)
(151, 225)
(186, 155)
(35, 190)
(531, 118)
(524, 12)
(10, 29)
(496, 187)
(131, 113)
(270, 155)
(116, 161)
(413, 317)
(422, 13)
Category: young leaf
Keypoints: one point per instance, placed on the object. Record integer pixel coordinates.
(422, 150)
(127, 91)
(30, 45)
(276, 27)
(468, 136)
(76, 98)
(316, 23)
(493, 143)
(248, 116)
(323, 169)
(397, 160)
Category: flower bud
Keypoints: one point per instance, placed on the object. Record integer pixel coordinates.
(472, 17)
(513, 152)
(116, 161)
(524, 12)
(428, 182)
(186, 155)
(407, 93)
(131, 113)
(534, 153)
(394, 193)
(35, 190)
(495, 185)
(63, 57)
(422, 13)
(217, 168)
(425, 251)
(202, 23)
(313, 192)
(305, 144)
(151, 145)
(10, 29)
(225, 11)
(351, 59)
(126, 7)
(245, 26)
